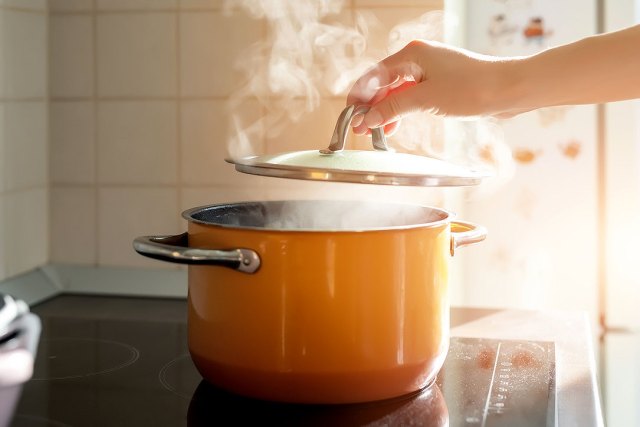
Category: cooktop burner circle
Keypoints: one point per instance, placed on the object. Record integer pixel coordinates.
(180, 376)
(69, 358)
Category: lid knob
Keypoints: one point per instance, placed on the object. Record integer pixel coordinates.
(339, 137)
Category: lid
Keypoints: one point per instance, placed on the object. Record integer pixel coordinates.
(379, 166)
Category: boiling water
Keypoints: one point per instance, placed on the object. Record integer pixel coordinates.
(319, 215)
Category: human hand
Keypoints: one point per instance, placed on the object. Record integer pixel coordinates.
(435, 78)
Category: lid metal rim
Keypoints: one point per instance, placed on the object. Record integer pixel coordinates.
(357, 177)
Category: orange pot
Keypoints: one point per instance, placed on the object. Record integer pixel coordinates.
(316, 313)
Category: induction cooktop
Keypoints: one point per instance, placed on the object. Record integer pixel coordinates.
(109, 361)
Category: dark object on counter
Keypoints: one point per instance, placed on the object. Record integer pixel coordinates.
(19, 333)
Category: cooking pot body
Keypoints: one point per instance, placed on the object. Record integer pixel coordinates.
(330, 316)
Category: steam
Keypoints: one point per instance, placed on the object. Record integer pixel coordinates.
(480, 144)
(308, 54)
(302, 57)
(428, 26)
(344, 215)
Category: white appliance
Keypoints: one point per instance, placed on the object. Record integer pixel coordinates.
(19, 334)
(563, 229)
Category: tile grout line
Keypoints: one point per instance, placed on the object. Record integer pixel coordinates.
(117, 11)
(179, 145)
(33, 11)
(48, 138)
(144, 98)
(3, 178)
(123, 185)
(262, 110)
(24, 189)
(352, 4)
(25, 99)
(96, 148)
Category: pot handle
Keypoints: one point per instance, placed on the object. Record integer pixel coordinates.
(176, 249)
(465, 233)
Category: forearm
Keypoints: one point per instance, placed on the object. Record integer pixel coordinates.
(596, 69)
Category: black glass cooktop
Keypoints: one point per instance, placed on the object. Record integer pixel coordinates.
(105, 361)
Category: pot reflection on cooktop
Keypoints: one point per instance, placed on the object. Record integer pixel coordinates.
(209, 404)
(426, 408)
(124, 362)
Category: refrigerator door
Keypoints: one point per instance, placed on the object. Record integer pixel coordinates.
(550, 184)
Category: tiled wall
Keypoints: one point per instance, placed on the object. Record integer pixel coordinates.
(24, 219)
(140, 93)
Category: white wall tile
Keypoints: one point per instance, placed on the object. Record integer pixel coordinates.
(25, 230)
(3, 143)
(201, 4)
(299, 127)
(24, 133)
(206, 133)
(126, 213)
(3, 47)
(73, 225)
(71, 55)
(339, 63)
(137, 4)
(70, 5)
(72, 154)
(385, 37)
(136, 54)
(23, 137)
(426, 4)
(312, 54)
(36, 5)
(3, 269)
(24, 54)
(137, 142)
(211, 44)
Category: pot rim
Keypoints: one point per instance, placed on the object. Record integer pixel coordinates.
(189, 213)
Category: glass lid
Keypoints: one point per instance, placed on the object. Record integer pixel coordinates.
(379, 166)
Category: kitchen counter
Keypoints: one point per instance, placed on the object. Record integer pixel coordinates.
(124, 361)
(578, 397)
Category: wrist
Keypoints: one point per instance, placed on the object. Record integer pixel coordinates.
(507, 88)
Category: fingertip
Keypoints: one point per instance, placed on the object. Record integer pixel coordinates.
(391, 128)
(373, 118)
(360, 130)
(357, 120)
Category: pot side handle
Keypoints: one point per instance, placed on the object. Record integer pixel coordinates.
(176, 249)
(465, 233)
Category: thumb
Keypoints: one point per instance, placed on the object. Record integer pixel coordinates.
(399, 102)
